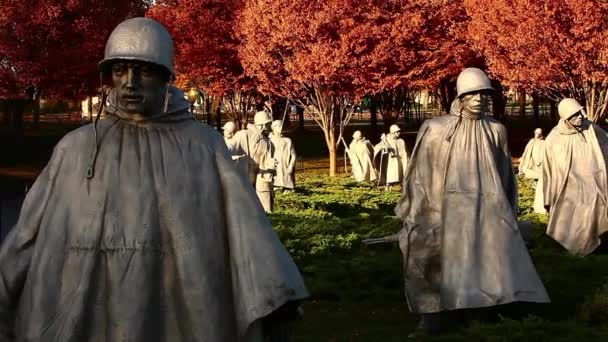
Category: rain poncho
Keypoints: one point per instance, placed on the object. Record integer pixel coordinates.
(461, 243)
(391, 165)
(530, 166)
(285, 155)
(259, 162)
(360, 155)
(530, 163)
(238, 156)
(166, 242)
(575, 185)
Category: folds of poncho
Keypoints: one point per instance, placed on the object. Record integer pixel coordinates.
(259, 151)
(391, 166)
(530, 163)
(360, 155)
(285, 155)
(575, 186)
(460, 241)
(167, 242)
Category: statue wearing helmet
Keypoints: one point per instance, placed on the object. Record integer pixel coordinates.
(575, 180)
(285, 155)
(459, 212)
(530, 166)
(140, 228)
(261, 165)
(390, 158)
(360, 152)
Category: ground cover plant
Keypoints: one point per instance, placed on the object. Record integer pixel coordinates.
(357, 290)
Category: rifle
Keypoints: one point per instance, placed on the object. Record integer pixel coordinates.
(386, 239)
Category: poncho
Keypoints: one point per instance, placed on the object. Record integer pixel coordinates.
(530, 163)
(461, 243)
(575, 185)
(530, 166)
(259, 151)
(391, 166)
(360, 155)
(285, 155)
(167, 242)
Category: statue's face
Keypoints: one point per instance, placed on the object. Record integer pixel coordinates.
(538, 133)
(228, 133)
(276, 130)
(476, 103)
(396, 135)
(265, 128)
(576, 120)
(140, 87)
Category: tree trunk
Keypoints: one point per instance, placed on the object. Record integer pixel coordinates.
(373, 114)
(333, 153)
(300, 112)
(447, 94)
(500, 103)
(535, 106)
(36, 112)
(218, 118)
(16, 107)
(209, 118)
(522, 102)
(553, 109)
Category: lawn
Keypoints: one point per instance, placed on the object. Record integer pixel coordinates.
(357, 290)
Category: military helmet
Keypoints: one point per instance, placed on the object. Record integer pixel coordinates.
(229, 126)
(357, 135)
(394, 129)
(472, 80)
(261, 118)
(568, 107)
(140, 39)
(276, 123)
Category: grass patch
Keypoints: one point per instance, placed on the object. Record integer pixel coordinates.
(357, 291)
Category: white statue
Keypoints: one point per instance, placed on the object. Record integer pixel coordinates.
(460, 239)
(390, 157)
(285, 156)
(575, 180)
(530, 166)
(360, 155)
(254, 143)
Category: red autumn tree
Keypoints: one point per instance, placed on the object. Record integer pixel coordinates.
(52, 47)
(558, 47)
(327, 54)
(206, 51)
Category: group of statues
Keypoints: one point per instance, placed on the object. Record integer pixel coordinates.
(263, 155)
(384, 163)
(569, 170)
(462, 244)
(145, 226)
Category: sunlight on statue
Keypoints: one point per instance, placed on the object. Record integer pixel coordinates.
(140, 228)
(575, 180)
(360, 154)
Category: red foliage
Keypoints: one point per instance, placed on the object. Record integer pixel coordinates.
(540, 44)
(55, 45)
(352, 47)
(206, 47)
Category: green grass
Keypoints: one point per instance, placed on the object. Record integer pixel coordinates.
(357, 290)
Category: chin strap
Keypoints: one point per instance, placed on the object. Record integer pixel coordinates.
(102, 102)
(167, 95)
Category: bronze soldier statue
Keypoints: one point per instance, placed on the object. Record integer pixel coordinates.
(140, 228)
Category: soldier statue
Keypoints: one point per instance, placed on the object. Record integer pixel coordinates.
(140, 228)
